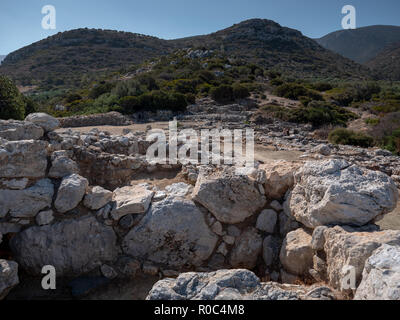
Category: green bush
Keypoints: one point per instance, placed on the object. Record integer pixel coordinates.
(372, 121)
(240, 92)
(392, 142)
(349, 137)
(71, 97)
(295, 91)
(129, 104)
(320, 113)
(12, 103)
(100, 89)
(321, 86)
(190, 98)
(222, 93)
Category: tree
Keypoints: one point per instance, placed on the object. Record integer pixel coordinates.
(12, 103)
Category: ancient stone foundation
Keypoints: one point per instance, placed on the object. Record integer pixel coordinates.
(90, 204)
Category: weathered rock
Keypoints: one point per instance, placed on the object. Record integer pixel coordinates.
(204, 286)
(296, 253)
(62, 166)
(97, 198)
(279, 177)
(44, 217)
(266, 221)
(108, 271)
(322, 149)
(318, 238)
(14, 184)
(15, 155)
(8, 277)
(345, 246)
(172, 233)
(334, 192)
(73, 247)
(70, 192)
(180, 189)
(276, 206)
(13, 130)
(236, 284)
(47, 122)
(231, 198)
(131, 199)
(246, 250)
(381, 275)
(28, 202)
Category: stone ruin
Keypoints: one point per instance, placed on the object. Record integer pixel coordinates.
(282, 230)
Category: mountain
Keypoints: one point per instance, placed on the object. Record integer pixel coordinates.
(267, 43)
(1, 58)
(362, 44)
(387, 63)
(69, 57)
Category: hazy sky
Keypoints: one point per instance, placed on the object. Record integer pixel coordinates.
(20, 20)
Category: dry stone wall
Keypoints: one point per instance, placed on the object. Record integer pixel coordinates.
(67, 200)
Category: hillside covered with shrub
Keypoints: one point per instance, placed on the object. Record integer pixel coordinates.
(74, 58)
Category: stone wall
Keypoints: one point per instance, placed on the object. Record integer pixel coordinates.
(66, 199)
(103, 119)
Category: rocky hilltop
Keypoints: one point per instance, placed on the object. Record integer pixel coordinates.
(63, 58)
(90, 204)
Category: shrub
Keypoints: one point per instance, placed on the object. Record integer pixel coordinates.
(295, 91)
(321, 86)
(222, 93)
(320, 113)
(12, 103)
(206, 76)
(240, 92)
(190, 98)
(71, 97)
(30, 106)
(129, 104)
(372, 121)
(392, 142)
(100, 89)
(349, 137)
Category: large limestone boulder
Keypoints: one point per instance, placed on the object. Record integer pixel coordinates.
(8, 277)
(381, 275)
(348, 247)
(230, 197)
(279, 177)
(43, 120)
(23, 159)
(246, 250)
(335, 192)
(131, 200)
(14, 130)
(73, 247)
(70, 193)
(28, 202)
(296, 252)
(236, 284)
(174, 233)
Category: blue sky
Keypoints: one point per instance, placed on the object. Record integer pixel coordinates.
(20, 20)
